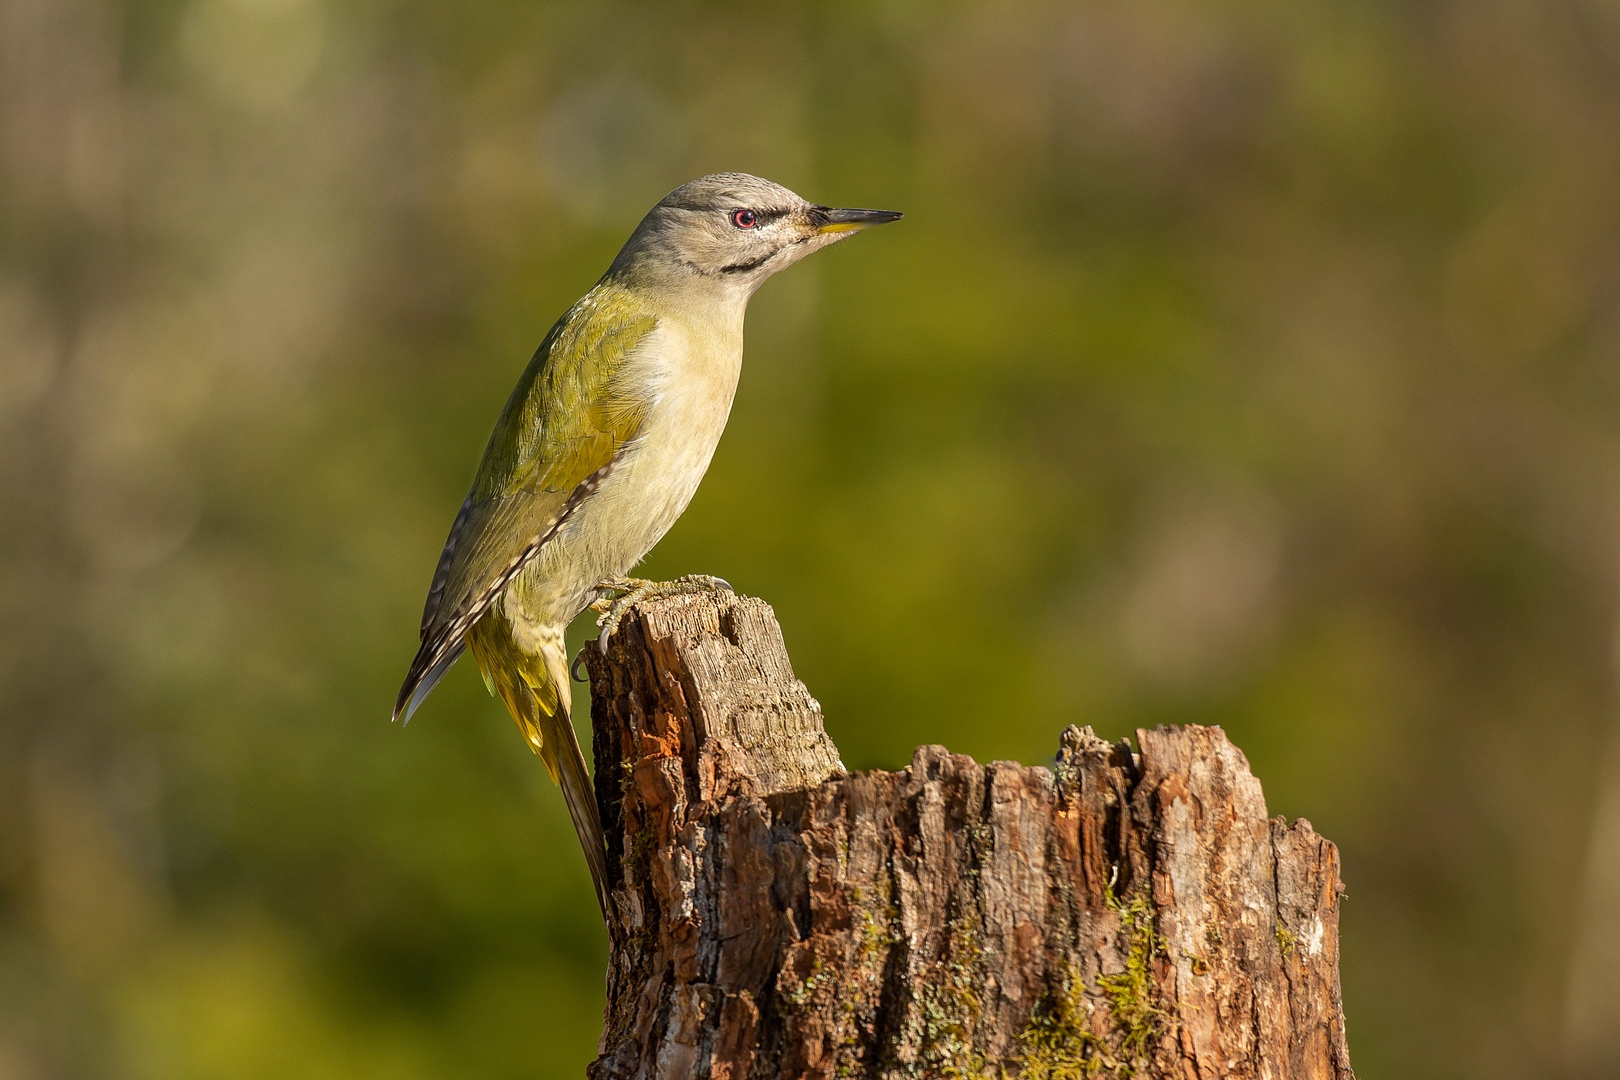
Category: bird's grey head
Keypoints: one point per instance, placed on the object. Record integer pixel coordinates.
(734, 230)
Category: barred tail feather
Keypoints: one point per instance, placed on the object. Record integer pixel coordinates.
(580, 796)
(535, 690)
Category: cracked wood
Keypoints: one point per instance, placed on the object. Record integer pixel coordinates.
(771, 915)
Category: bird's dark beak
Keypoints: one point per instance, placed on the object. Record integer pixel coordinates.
(829, 220)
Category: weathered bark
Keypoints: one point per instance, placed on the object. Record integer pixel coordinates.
(774, 916)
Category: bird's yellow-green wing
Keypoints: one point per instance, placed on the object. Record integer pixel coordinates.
(557, 439)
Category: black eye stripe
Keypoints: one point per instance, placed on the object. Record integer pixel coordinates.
(761, 217)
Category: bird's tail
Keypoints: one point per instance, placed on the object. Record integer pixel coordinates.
(536, 692)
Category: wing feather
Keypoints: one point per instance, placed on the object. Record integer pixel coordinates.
(562, 431)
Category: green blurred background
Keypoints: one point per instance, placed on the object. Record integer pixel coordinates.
(1240, 363)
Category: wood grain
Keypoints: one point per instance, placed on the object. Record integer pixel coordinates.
(1119, 914)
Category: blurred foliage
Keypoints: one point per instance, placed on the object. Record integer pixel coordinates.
(1247, 363)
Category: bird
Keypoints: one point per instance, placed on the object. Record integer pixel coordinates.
(597, 452)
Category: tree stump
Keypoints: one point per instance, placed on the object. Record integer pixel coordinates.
(772, 915)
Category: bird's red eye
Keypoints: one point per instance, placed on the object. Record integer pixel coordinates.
(744, 219)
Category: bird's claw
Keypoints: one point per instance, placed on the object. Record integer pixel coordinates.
(633, 591)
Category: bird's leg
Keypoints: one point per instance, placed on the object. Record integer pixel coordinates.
(617, 594)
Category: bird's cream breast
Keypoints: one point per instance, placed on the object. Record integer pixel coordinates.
(689, 378)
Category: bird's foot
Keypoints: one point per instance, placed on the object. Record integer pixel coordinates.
(618, 594)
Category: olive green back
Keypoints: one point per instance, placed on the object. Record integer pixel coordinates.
(569, 414)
